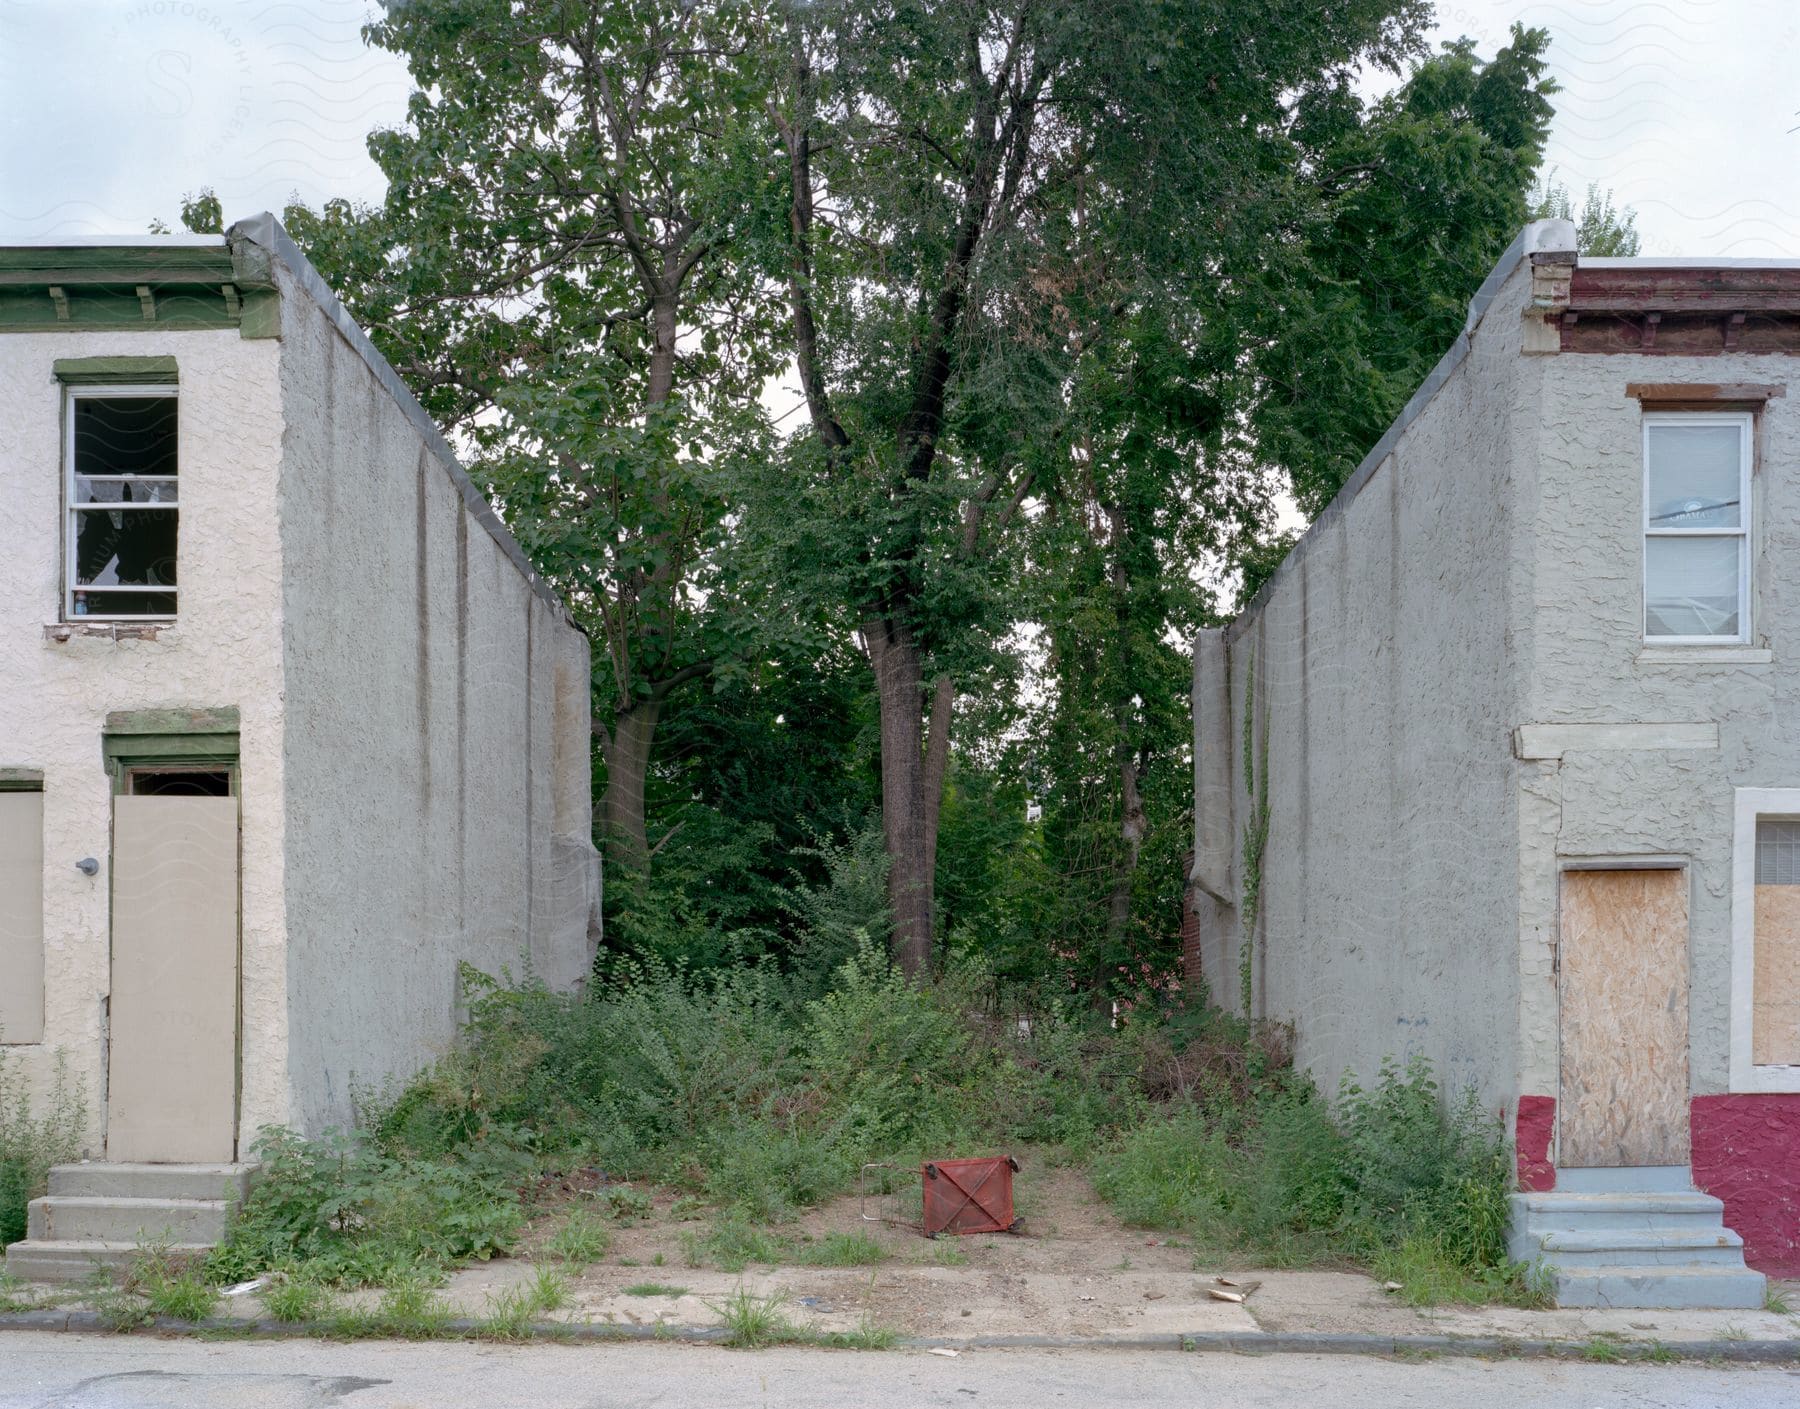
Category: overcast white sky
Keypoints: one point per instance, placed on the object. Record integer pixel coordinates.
(111, 109)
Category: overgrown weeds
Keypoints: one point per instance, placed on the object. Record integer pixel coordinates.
(33, 1137)
(358, 1215)
(757, 1095)
(295, 1296)
(754, 1322)
(581, 1239)
(1392, 1175)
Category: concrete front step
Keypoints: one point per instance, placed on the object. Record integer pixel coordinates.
(96, 1179)
(126, 1220)
(1626, 1179)
(1723, 1288)
(77, 1260)
(1548, 1213)
(1659, 1247)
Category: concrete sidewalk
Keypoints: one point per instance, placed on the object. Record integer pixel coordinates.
(966, 1306)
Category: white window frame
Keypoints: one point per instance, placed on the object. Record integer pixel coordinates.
(1745, 423)
(122, 391)
(1752, 805)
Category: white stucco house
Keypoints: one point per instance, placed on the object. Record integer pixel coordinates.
(289, 727)
(1516, 725)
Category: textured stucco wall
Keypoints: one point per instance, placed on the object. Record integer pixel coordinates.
(1747, 1153)
(1582, 666)
(436, 748)
(224, 650)
(1385, 686)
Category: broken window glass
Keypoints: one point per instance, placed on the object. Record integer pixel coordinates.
(123, 497)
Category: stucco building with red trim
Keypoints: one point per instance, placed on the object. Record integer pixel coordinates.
(1514, 722)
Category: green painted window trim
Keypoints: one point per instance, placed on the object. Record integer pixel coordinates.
(212, 750)
(98, 371)
(180, 723)
(21, 780)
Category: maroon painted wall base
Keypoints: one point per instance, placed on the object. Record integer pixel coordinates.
(1747, 1153)
(1532, 1133)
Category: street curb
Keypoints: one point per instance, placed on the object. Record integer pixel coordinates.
(1762, 1352)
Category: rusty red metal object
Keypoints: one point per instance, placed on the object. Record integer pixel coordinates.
(968, 1195)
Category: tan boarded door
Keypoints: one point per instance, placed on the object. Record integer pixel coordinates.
(1624, 1019)
(21, 916)
(172, 1077)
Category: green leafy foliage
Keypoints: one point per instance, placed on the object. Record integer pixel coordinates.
(1601, 229)
(34, 1137)
(1391, 1174)
(355, 1214)
(176, 1287)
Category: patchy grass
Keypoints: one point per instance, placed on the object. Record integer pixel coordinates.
(512, 1310)
(853, 1249)
(1430, 1277)
(868, 1335)
(755, 1322)
(654, 1289)
(295, 1297)
(170, 1286)
(581, 1240)
(412, 1310)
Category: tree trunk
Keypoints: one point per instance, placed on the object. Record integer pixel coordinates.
(1132, 822)
(937, 762)
(899, 685)
(1132, 829)
(627, 752)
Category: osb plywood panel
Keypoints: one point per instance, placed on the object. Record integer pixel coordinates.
(21, 917)
(1775, 1021)
(172, 1089)
(1624, 1019)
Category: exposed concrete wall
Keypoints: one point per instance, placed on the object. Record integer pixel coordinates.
(437, 726)
(224, 650)
(1581, 664)
(1385, 688)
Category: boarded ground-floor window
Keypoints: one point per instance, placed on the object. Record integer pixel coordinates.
(21, 910)
(1775, 1001)
(1765, 940)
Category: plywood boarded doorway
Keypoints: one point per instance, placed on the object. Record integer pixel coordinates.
(172, 1075)
(1624, 960)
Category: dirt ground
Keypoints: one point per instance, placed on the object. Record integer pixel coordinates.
(1071, 1269)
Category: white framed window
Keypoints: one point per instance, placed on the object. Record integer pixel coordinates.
(121, 496)
(1697, 527)
(1765, 940)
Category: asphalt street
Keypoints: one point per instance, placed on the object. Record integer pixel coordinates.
(66, 1371)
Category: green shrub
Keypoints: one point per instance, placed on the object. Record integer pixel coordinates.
(765, 1170)
(357, 1216)
(897, 1063)
(1269, 1171)
(625, 1204)
(32, 1140)
(1170, 1172)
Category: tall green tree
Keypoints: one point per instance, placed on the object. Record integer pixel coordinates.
(558, 271)
(1183, 424)
(939, 158)
(1406, 203)
(1601, 228)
